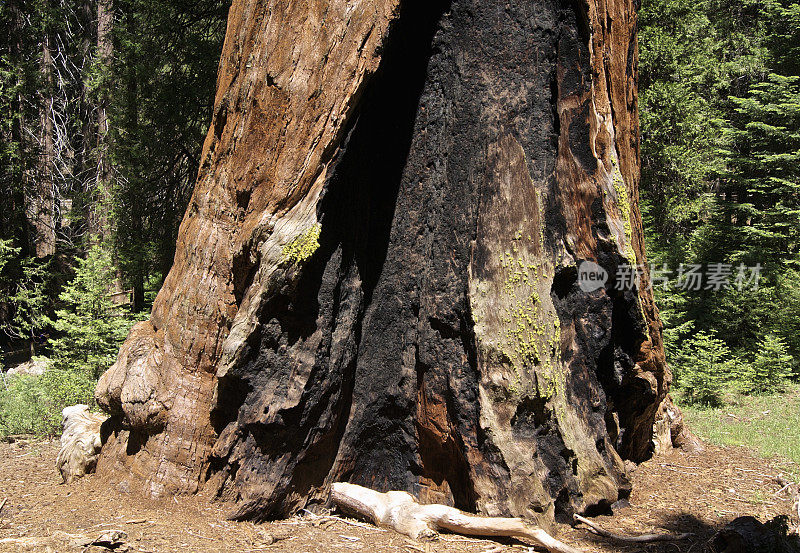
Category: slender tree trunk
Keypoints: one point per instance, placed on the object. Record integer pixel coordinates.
(99, 222)
(40, 192)
(85, 168)
(378, 277)
(137, 202)
(18, 174)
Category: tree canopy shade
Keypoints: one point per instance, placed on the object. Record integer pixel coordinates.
(376, 279)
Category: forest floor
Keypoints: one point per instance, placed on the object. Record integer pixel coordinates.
(677, 493)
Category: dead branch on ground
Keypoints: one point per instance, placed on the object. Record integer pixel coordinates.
(642, 538)
(401, 512)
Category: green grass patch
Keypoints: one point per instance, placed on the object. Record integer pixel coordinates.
(768, 424)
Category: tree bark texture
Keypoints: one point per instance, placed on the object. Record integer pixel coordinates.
(40, 192)
(376, 278)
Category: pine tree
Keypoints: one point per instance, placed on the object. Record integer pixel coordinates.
(704, 366)
(680, 120)
(764, 171)
(25, 284)
(771, 368)
(90, 325)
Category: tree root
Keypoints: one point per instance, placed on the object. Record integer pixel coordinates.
(401, 512)
(108, 539)
(643, 538)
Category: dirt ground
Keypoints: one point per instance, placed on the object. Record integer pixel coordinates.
(678, 493)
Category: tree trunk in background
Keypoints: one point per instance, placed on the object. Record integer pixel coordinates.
(40, 189)
(99, 223)
(16, 201)
(85, 169)
(376, 278)
(138, 269)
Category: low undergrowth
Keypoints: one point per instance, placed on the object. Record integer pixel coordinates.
(88, 331)
(767, 424)
(32, 404)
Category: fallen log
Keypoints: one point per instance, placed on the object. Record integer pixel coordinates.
(401, 512)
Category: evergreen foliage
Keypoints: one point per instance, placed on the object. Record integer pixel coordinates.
(25, 285)
(770, 370)
(90, 327)
(704, 365)
(763, 172)
(163, 87)
(720, 102)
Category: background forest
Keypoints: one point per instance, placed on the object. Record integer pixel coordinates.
(105, 104)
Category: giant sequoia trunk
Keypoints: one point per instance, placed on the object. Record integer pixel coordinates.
(376, 278)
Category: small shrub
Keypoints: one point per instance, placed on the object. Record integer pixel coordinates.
(703, 368)
(33, 404)
(23, 407)
(24, 284)
(770, 370)
(92, 328)
(7, 253)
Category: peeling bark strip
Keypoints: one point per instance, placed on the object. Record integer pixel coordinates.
(376, 279)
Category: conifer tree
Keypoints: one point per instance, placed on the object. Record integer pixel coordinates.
(704, 365)
(90, 326)
(771, 368)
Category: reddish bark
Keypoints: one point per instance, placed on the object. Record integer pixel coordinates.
(376, 278)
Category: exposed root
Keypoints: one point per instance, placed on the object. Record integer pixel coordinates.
(334, 519)
(643, 538)
(109, 538)
(401, 512)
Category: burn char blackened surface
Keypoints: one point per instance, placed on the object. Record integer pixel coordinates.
(394, 359)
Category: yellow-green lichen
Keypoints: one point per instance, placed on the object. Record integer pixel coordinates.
(528, 342)
(624, 206)
(530, 338)
(303, 246)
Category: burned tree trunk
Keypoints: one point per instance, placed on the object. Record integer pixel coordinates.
(376, 280)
